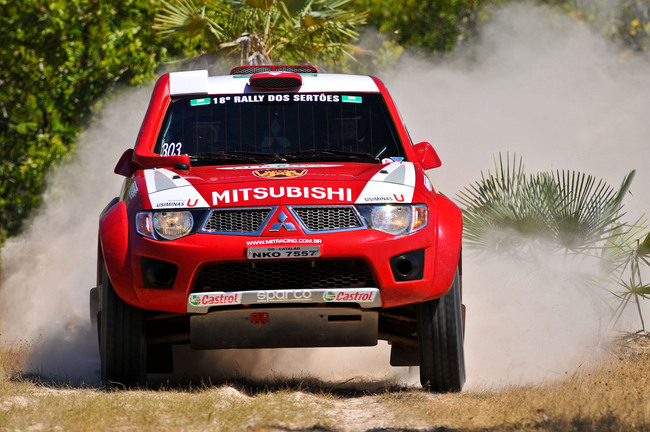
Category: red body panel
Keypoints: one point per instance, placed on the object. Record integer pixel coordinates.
(332, 183)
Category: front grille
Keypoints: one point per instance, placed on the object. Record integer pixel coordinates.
(237, 220)
(284, 275)
(328, 218)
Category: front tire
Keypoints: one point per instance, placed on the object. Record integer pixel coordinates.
(440, 342)
(122, 339)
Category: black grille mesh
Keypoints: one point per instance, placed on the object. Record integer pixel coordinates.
(276, 82)
(284, 275)
(319, 218)
(239, 220)
(250, 70)
(306, 69)
(327, 218)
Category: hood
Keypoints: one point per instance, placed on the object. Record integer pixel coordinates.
(274, 184)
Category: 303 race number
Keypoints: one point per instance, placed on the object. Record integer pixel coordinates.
(171, 149)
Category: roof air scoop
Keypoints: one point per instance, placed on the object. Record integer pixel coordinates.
(275, 81)
(250, 70)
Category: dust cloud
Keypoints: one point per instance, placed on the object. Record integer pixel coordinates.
(537, 84)
(561, 97)
(48, 270)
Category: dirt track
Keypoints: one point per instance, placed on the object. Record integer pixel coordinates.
(612, 394)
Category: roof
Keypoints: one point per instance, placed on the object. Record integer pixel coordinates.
(199, 82)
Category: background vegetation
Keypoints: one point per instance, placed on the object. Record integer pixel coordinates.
(57, 59)
(510, 212)
(60, 57)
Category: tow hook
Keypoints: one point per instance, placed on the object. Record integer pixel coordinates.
(259, 318)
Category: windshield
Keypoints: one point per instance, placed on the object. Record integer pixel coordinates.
(280, 127)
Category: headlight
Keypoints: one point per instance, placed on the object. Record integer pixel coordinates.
(391, 219)
(173, 225)
(395, 219)
(168, 225)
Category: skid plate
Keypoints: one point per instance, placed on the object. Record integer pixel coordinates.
(284, 328)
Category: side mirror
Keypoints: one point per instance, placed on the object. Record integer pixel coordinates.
(130, 162)
(426, 155)
(125, 165)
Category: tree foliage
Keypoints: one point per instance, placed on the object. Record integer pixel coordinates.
(267, 31)
(434, 26)
(58, 58)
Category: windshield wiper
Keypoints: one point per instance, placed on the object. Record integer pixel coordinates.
(228, 157)
(328, 156)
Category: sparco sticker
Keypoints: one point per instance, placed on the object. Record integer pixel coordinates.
(284, 296)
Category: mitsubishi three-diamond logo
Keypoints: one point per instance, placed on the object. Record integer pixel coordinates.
(282, 217)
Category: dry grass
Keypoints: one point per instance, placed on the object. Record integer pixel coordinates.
(612, 396)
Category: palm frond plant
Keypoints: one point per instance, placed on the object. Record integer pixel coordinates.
(267, 31)
(509, 212)
(570, 209)
(589, 211)
(187, 19)
(502, 204)
(631, 253)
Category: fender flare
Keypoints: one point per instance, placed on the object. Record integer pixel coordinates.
(448, 244)
(114, 250)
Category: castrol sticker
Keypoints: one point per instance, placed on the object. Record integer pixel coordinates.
(350, 296)
(215, 299)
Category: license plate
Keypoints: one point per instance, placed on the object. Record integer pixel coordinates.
(283, 252)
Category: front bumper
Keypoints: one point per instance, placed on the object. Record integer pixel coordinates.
(192, 253)
(435, 248)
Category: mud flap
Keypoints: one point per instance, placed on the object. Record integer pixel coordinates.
(94, 307)
(404, 354)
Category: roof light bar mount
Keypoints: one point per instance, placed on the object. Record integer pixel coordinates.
(251, 70)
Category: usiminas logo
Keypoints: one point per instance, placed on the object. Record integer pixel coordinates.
(350, 296)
